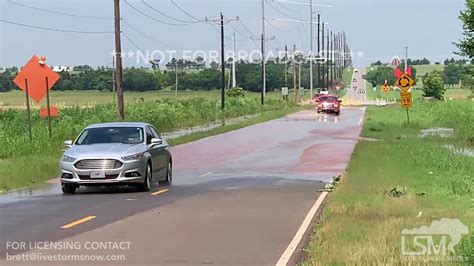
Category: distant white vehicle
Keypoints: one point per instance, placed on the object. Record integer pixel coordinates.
(61, 68)
(324, 92)
(356, 70)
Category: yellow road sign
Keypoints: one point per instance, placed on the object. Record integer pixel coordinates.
(405, 82)
(386, 88)
(406, 99)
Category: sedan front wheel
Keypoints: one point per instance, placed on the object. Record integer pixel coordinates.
(147, 182)
(169, 175)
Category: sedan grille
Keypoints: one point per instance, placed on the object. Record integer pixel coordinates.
(98, 164)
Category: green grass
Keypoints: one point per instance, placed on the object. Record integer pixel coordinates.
(361, 224)
(91, 98)
(421, 70)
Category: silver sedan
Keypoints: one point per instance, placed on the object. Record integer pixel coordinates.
(116, 154)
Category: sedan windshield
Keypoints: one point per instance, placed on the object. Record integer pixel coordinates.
(101, 135)
(328, 99)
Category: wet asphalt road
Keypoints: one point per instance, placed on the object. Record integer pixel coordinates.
(236, 198)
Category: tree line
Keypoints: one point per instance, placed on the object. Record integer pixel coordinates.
(190, 77)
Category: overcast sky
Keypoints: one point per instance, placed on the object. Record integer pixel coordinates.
(376, 29)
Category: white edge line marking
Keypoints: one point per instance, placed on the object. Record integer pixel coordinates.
(206, 174)
(362, 118)
(285, 257)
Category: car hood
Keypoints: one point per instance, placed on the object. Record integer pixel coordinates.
(109, 150)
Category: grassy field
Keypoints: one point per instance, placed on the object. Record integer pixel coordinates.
(399, 182)
(167, 114)
(91, 98)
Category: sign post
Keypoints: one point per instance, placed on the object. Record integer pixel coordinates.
(28, 110)
(284, 93)
(36, 79)
(49, 108)
(405, 82)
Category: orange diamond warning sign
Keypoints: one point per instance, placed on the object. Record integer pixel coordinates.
(33, 78)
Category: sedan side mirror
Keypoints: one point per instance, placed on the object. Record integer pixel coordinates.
(156, 141)
(68, 143)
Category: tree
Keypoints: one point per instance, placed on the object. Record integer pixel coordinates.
(452, 74)
(6, 83)
(214, 64)
(466, 46)
(378, 76)
(155, 64)
(467, 77)
(378, 63)
(139, 80)
(433, 85)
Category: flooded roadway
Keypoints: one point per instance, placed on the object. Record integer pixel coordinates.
(236, 198)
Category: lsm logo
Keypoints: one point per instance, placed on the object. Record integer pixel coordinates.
(438, 239)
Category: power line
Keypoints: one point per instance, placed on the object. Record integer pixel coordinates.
(152, 18)
(276, 27)
(147, 36)
(187, 13)
(299, 34)
(54, 29)
(56, 12)
(131, 41)
(238, 32)
(279, 11)
(164, 14)
(252, 36)
(284, 7)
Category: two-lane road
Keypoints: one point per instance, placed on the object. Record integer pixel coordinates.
(236, 198)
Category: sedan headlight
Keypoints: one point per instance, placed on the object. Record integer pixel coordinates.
(133, 157)
(68, 159)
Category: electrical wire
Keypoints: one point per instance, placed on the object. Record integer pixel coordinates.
(56, 12)
(279, 11)
(152, 18)
(164, 14)
(187, 13)
(132, 42)
(300, 35)
(54, 29)
(275, 26)
(239, 33)
(252, 36)
(288, 9)
(147, 36)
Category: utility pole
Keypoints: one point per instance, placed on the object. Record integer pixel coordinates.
(323, 55)
(332, 59)
(311, 48)
(264, 85)
(176, 80)
(234, 79)
(327, 61)
(221, 23)
(113, 76)
(318, 68)
(286, 66)
(299, 81)
(294, 70)
(118, 54)
(406, 58)
(345, 49)
(222, 64)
